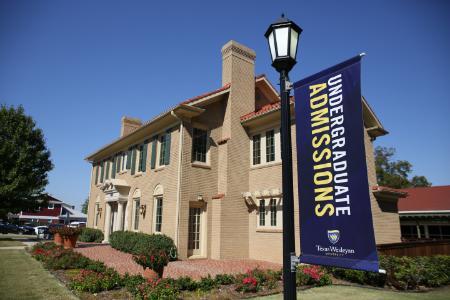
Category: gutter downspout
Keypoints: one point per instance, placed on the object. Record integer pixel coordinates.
(180, 157)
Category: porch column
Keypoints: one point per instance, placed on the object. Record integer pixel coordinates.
(120, 211)
(107, 227)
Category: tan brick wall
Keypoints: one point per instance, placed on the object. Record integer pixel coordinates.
(386, 221)
(146, 182)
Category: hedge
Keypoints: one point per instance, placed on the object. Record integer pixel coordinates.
(91, 235)
(403, 273)
(140, 243)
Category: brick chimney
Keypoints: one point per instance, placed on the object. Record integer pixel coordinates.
(129, 125)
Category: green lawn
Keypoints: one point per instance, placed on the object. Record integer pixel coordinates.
(347, 293)
(8, 242)
(22, 277)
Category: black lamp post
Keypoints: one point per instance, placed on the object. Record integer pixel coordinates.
(283, 38)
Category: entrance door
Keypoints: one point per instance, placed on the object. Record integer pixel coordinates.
(194, 247)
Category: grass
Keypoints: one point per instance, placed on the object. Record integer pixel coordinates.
(360, 293)
(25, 278)
(8, 242)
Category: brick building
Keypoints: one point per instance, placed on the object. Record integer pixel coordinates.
(208, 171)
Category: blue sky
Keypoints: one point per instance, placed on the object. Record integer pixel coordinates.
(78, 66)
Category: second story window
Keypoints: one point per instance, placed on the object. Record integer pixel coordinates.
(199, 145)
(107, 170)
(123, 162)
(270, 145)
(102, 171)
(257, 149)
(141, 159)
(163, 150)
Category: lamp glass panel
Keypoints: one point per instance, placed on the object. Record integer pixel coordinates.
(272, 45)
(282, 40)
(294, 41)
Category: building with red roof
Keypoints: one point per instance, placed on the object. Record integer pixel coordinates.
(425, 213)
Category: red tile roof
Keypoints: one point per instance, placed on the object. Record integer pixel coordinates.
(225, 87)
(263, 110)
(426, 199)
(388, 190)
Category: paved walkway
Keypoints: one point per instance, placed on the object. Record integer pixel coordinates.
(123, 262)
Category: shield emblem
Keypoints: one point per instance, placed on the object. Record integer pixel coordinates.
(333, 236)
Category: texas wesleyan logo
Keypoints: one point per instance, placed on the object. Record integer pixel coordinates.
(333, 236)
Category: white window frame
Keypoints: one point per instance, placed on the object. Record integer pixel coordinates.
(208, 146)
(51, 206)
(267, 214)
(138, 208)
(155, 209)
(123, 162)
(263, 143)
(139, 151)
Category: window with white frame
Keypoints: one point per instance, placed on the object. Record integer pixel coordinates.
(123, 162)
(51, 206)
(137, 204)
(158, 211)
(256, 149)
(265, 147)
(163, 149)
(199, 145)
(269, 213)
(270, 145)
(141, 158)
(97, 213)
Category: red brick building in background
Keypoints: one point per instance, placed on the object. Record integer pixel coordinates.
(425, 213)
(55, 212)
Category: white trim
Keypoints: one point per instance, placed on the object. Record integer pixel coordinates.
(177, 213)
(38, 217)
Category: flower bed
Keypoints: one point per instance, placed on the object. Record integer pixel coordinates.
(85, 275)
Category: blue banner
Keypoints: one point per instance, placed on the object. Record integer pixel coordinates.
(335, 217)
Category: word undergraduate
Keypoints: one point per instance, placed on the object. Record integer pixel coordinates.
(331, 192)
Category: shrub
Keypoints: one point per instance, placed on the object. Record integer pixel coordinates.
(312, 275)
(154, 259)
(206, 284)
(186, 284)
(90, 235)
(157, 289)
(224, 279)
(132, 283)
(66, 230)
(94, 282)
(140, 243)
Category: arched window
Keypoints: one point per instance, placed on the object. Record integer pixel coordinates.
(158, 196)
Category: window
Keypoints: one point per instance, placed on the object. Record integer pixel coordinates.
(273, 212)
(270, 146)
(163, 150)
(141, 158)
(97, 167)
(137, 204)
(102, 171)
(51, 206)
(257, 149)
(262, 212)
(268, 208)
(97, 213)
(158, 213)
(123, 162)
(199, 141)
(107, 170)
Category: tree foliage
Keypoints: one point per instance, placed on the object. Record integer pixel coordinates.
(24, 161)
(84, 206)
(395, 173)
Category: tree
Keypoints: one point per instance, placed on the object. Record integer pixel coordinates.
(24, 161)
(395, 174)
(84, 206)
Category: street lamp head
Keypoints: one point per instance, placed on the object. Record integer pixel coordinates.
(283, 36)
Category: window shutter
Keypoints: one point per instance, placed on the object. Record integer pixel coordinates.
(167, 154)
(133, 161)
(129, 159)
(96, 172)
(153, 161)
(102, 171)
(113, 171)
(107, 170)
